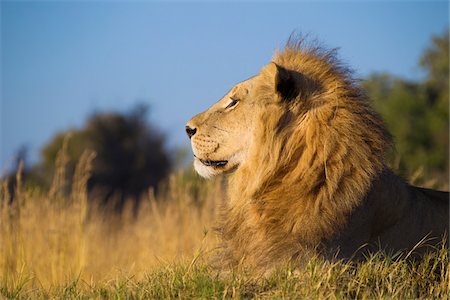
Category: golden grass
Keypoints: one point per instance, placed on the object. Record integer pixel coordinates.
(55, 245)
(49, 238)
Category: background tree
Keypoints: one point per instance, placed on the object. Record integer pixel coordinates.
(417, 112)
(435, 61)
(130, 155)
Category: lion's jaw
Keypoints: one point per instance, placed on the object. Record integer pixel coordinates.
(223, 133)
(209, 169)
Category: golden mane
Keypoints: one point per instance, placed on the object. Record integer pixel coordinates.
(313, 159)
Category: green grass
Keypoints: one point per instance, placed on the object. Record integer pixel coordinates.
(378, 277)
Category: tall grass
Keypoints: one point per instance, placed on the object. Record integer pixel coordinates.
(49, 238)
(53, 244)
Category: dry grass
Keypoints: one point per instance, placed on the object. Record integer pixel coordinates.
(49, 238)
(53, 245)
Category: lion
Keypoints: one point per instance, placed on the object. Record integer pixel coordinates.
(304, 154)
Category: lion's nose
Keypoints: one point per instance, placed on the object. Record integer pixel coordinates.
(190, 131)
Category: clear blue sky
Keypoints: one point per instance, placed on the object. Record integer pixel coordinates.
(63, 60)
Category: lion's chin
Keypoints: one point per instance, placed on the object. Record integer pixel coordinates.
(210, 170)
(207, 171)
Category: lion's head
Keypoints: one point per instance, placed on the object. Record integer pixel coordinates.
(222, 135)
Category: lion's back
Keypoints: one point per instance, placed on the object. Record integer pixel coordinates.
(423, 220)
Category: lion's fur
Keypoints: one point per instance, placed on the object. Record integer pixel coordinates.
(316, 156)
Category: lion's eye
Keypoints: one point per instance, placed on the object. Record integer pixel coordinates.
(232, 103)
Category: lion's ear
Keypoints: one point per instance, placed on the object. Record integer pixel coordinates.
(285, 83)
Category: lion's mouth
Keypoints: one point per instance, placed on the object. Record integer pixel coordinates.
(213, 163)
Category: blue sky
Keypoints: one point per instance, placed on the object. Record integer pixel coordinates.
(63, 60)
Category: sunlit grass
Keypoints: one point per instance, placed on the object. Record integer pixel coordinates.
(376, 278)
(53, 245)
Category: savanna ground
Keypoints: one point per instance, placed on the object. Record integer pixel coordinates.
(55, 245)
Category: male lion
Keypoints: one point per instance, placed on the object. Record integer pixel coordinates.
(305, 154)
